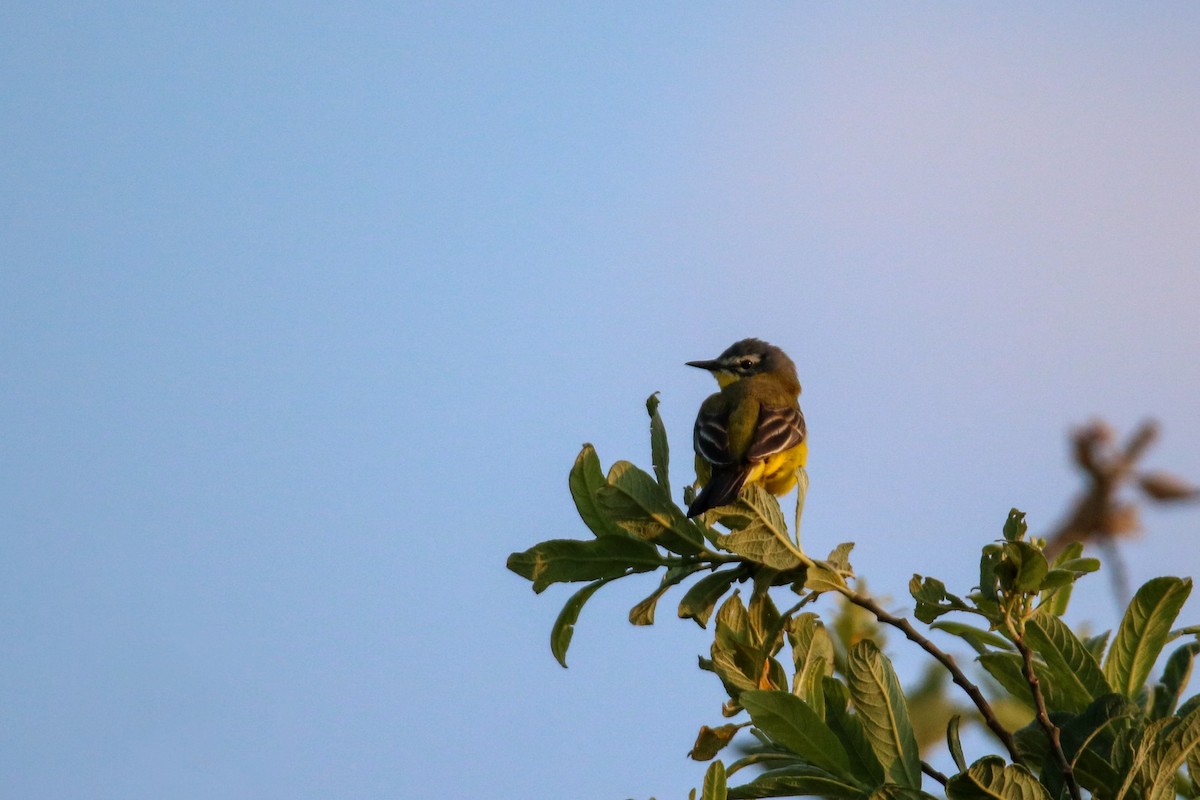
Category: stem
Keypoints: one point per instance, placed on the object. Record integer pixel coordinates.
(757, 758)
(705, 559)
(1043, 717)
(947, 661)
(933, 773)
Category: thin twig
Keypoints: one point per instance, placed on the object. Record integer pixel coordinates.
(933, 773)
(706, 559)
(1043, 717)
(947, 661)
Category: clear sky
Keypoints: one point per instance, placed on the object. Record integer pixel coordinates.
(305, 310)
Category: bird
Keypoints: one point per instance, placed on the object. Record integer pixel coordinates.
(752, 430)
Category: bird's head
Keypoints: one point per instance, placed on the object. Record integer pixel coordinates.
(747, 358)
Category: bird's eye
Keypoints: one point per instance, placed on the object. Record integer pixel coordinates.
(746, 363)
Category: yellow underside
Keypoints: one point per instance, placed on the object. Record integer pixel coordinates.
(777, 474)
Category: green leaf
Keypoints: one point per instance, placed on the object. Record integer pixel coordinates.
(698, 602)
(879, 701)
(1071, 551)
(734, 617)
(569, 560)
(1193, 766)
(1131, 757)
(1057, 579)
(1054, 600)
(564, 626)
(585, 479)
(849, 730)
(1143, 632)
(797, 781)
(729, 662)
(1189, 705)
(988, 561)
(892, 792)
(954, 743)
(812, 655)
(1159, 752)
(1059, 582)
(714, 783)
(1088, 739)
(829, 575)
(764, 538)
(1015, 526)
(1006, 669)
(990, 778)
(932, 599)
(1177, 740)
(766, 626)
(659, 453)
(807, 685)
(792, 724)
(1080, 566)
(1071, 667)
(981, 641)
(735, 658)
(757, 543)
(643, 612)
(1024, 567)
(820, 578)
(710, 741)
(639, 505)
(839, 557)
(1176, 674)
(1097, 644)
(1034, 747)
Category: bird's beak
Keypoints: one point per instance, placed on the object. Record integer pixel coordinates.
(711, 366)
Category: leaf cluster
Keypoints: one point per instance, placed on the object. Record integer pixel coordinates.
(827, 712)
(637, 527)
(1098, 724)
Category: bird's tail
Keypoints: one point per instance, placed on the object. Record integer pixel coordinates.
(721, 490)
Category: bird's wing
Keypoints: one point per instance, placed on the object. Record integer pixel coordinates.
(711, 438)
(778, 429)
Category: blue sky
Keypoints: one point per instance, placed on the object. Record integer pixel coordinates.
(306, 310)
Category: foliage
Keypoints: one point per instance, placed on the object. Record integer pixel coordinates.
(827, 713)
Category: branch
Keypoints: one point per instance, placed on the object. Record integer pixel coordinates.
(1043, 718)
(933, 773)
(946, 660)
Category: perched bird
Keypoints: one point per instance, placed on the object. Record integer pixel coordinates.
(752, 430)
